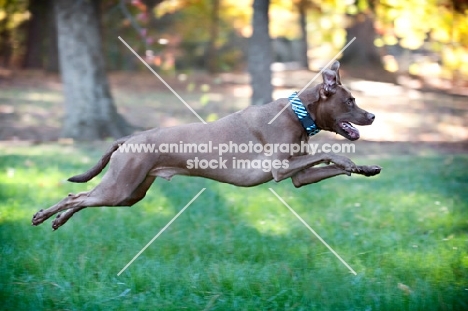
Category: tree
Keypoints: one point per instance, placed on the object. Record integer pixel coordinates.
(411, 25)
(302, 8)
(33, 56)
(259, 56)
(5, 37)
(89, 109)
(212, 63)
(362, 53)
(440, 26)
(41, 49)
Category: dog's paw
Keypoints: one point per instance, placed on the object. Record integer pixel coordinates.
(58, 221)
(39, 218)
(61, 219)
(369, 170)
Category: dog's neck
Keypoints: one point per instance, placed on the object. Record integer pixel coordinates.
(304, 117)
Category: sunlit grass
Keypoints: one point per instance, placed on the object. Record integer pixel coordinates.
(404, 232)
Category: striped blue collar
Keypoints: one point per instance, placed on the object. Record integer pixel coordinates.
(304, 117)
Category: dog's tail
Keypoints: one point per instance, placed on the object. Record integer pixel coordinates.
(96, 169)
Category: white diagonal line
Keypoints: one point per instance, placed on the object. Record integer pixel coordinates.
(313, 79)
(162, 80)
(161, 231)
(312, 230)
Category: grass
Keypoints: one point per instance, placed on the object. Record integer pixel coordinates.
(405, 232)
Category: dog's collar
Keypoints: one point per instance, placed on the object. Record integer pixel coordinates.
(304, 117)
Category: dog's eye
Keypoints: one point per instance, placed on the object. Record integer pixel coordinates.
(350, 101)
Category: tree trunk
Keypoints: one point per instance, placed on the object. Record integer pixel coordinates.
(89, 109)
(51, 58)
(35, 34)
(362, 52)
(41, 44)
(212, 63)
(302, 7)
(260, 55)
(6, 50)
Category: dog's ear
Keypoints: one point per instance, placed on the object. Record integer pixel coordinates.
(329, 83)
(336, 68)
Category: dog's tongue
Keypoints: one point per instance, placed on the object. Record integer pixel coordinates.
(350, 129)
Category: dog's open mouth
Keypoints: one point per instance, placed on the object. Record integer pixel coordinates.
(350, 131)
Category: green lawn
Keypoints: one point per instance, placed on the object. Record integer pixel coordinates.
(405, 232)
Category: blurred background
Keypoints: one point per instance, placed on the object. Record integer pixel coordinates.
(223, 55)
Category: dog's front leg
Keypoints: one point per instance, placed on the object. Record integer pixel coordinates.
(302, 162)
(315, 174)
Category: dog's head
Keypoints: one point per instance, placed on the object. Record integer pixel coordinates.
(333, 107)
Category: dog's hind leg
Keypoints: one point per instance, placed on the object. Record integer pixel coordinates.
(119, 186)
(68, 202)
(137, 195)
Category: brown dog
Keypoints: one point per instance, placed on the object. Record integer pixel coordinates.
(238, 151)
